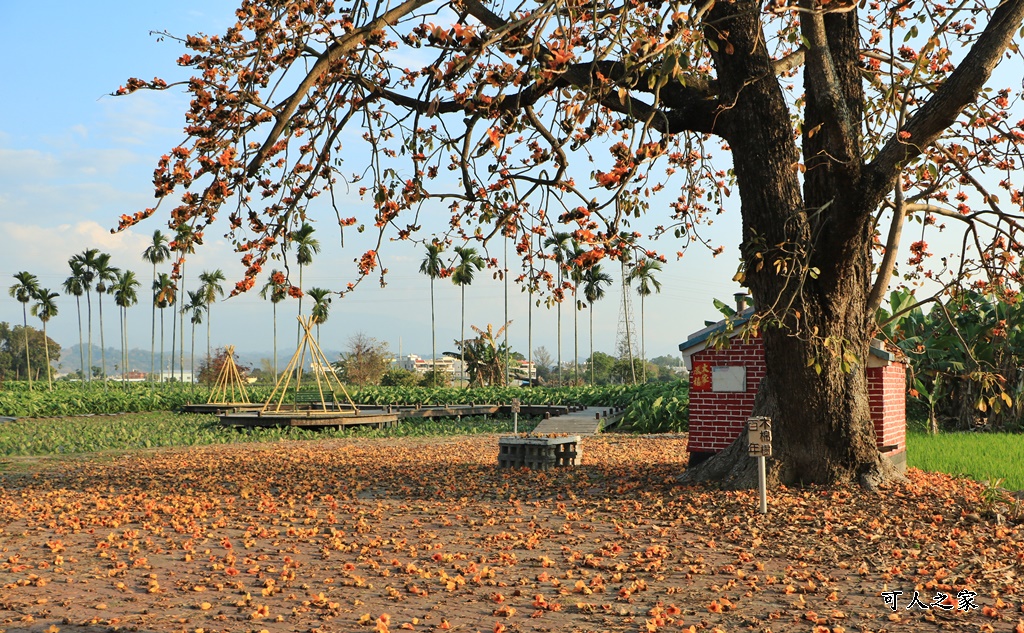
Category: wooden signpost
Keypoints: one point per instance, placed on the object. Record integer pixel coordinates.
(759, 441)
(515, 416)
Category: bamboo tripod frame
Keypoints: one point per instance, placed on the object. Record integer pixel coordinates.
(229, 388)
(323, 371)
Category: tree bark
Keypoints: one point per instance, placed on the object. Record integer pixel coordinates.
(806, 259)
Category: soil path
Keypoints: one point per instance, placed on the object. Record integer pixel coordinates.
(428, 535)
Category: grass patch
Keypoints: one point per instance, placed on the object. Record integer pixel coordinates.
(76, 435)
(980, 456)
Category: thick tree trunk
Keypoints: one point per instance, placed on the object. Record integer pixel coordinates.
(807, 265)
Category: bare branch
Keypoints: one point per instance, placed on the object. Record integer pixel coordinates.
(335, 52)
(892, 246)
(956, 93)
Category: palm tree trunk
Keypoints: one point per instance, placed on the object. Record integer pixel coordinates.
(298, 328)
(81, 343)
(152, 333)
(174, 343)
(529, 337)
(88, 302)
(207, 333)
(575, 339)
(462, 337)
(505, 279)
(181, 311)
(28, 360)
(126, 361)
(643, 342)
(433, 337)
(120, 336)
(559, 308)
(103, 344)
(161, 344)
(274, 307)
(625, 316)
(591, 311)
(192, 358)
(46, 346)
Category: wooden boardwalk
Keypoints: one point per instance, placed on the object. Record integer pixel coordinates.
(558, 419)
(588, 421)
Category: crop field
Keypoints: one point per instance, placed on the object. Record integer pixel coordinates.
(133, 431)
(991, 457)
(652, 408)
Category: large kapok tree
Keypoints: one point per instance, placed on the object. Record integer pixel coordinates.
(836, 122)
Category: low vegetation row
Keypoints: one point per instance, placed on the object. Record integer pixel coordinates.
(651, 408)
(68, 427)
(136, 431)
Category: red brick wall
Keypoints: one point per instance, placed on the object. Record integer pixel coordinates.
(716, 418)
(887, 395)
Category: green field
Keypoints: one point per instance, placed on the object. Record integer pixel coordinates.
(52, 422)
(133, 431)
(652, 408)
(980, 456)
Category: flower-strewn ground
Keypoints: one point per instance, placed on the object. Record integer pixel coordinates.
(428, 535)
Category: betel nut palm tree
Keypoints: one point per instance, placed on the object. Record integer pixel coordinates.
(646, 285)
(46, 309)
(156, 253)
(184, 244)
(433, 267)
(164, 291)
(561, 244)
(467, 263)
(24, 291)
(125, 296)
(276, 289)
(106, 276)
(196, 305)
(210, 287)
(305, 247)
(86, 261)
(73, 286)
(594, 282)
(321, 308)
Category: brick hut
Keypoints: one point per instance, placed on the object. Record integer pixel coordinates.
(724, 381)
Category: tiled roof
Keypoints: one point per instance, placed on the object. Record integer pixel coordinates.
(733, 323)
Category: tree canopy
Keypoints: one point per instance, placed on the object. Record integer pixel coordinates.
(13, 363)
(835, 122)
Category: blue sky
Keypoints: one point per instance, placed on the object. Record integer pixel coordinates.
(72, 159)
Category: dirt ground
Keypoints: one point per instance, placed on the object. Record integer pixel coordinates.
(429, 535)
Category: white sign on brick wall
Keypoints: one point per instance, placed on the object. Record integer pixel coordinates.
(729, 379)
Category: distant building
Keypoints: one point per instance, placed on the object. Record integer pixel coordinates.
(421, 366)
(174, 376)
(131, 376)
(523, 370)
